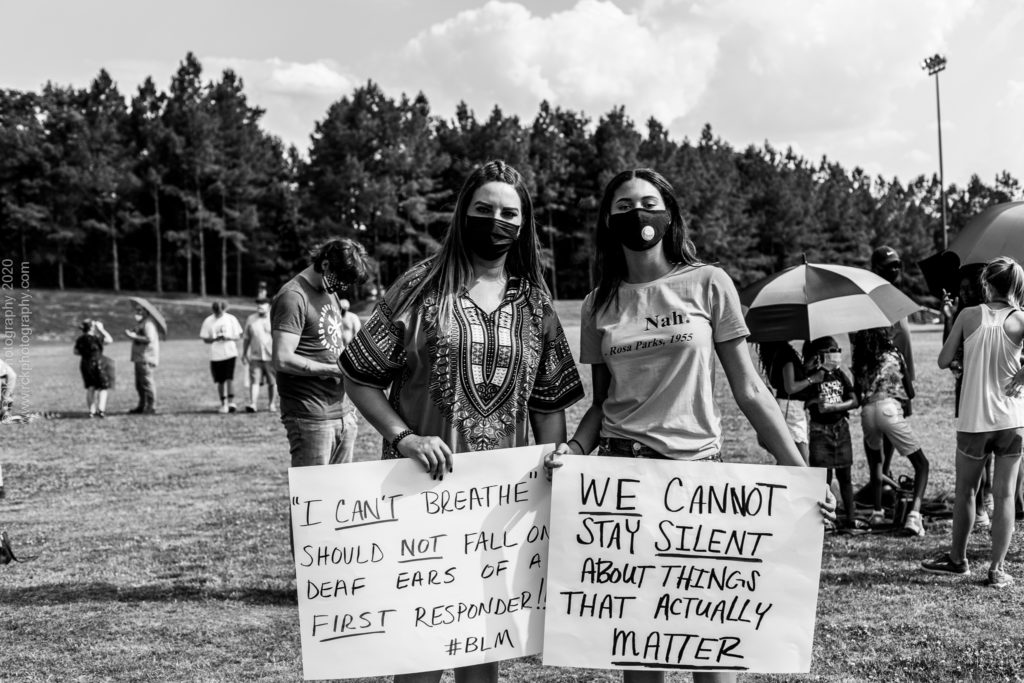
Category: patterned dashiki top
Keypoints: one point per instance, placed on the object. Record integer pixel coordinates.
(473, 385)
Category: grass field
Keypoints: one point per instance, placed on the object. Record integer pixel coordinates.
(162, 545)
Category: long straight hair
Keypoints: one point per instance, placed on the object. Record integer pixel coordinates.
(611, 259)
(450, 270)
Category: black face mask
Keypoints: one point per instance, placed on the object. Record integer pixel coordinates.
(639, 229)
(490, 238)
(331, 282)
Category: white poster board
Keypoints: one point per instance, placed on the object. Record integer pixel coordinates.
(666, 565)
(398, 573)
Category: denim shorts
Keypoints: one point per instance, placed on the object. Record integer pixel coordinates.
(1003, 442)
(830, 445)
(628, 448)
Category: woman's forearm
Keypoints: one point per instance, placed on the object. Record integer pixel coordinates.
(375, 407)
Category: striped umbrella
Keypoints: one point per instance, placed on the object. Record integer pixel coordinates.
(815, 300)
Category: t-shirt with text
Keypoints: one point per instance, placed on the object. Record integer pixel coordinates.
(658, 341)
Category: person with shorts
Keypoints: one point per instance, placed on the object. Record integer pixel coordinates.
(8, 381)
(883, 387)
(991, 417)
(257, 353)
(305, 322)
(221, 331)
(828, 410)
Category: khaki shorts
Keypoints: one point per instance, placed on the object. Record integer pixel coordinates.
(1007, 443)
(885, 418)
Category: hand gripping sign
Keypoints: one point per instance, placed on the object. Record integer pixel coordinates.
(399, 573)
(669, 565)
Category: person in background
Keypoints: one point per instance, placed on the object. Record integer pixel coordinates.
(970, 294)
(886, 263)
(221, 331)
(8, 382)
(350, 326)
(305, 323)
(883, 387)
(484, 289)
(828, 408)
(784, 371)
(257, 353)
(991, 414)
(146, 356)
(95, 368)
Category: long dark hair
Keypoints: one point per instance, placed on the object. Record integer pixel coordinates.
(611, 260)
(450, 269)
(768, 355)
(868, 348)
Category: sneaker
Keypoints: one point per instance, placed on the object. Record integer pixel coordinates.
(223, 409)
(913, 526)
(273, 408)
(997, 578)
(232, 408)
(982, 521)
(138, 410)
(877, 518)
(250, 408)
(101, 414)
(944, 564)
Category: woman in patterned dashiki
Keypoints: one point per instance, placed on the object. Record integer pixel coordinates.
(470, 345)
(650, 331)
(96, 369)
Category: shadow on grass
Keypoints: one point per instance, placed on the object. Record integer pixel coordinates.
(64, 593)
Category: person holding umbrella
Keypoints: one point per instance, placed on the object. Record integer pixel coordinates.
(145, 353)
(991, 414)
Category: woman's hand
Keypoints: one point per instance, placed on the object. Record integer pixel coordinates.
(429, 451)
(828, 506)
(552, 461)
(1016, 384)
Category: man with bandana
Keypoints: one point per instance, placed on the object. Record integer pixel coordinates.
(307, 332)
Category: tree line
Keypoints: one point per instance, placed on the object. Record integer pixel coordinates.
(183, 191)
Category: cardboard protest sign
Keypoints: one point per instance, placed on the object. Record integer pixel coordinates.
(399, 573)
(668, 565)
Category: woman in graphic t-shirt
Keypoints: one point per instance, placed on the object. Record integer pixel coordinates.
(651, 332)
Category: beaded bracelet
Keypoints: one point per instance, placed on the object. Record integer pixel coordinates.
(401, 435)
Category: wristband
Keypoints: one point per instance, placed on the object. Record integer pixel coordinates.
(401, 435)
(583, 451)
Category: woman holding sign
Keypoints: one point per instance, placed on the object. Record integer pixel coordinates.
(470, 345)
(651, 332)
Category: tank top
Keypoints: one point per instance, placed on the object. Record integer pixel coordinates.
(990, 360)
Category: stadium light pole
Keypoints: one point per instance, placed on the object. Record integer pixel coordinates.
(933, 65)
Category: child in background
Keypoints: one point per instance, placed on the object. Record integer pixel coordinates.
(784, 372)
(882, 385)
(828, 408)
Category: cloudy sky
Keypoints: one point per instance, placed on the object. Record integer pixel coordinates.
(841, 78)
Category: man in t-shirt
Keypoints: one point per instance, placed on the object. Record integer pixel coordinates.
(221, 331)
(307, 331)
(257, 350)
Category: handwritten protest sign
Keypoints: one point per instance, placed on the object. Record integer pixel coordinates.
(683, 566)
(398, 573)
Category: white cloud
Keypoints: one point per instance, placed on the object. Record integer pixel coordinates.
(591, 57)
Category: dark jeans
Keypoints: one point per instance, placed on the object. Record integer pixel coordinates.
(145, 385)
